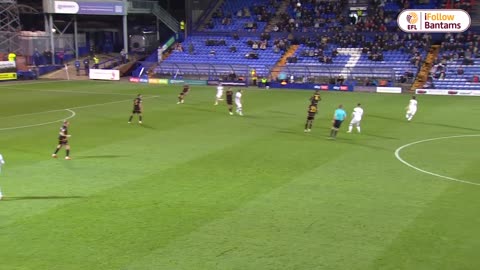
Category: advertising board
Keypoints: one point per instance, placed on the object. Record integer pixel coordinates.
(391, 90)
(8, 70)
(104, 74)
(447, 92)
(89, 8)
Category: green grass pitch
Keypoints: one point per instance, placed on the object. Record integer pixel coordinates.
(194, 188)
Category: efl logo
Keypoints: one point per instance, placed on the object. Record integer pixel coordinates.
(433, 20)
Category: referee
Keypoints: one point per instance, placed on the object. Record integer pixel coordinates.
(338, 118)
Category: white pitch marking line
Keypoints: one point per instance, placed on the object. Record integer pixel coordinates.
(28, 83)
(397, 155)
(72, 114)
(85, 92)
(73, 92)
(67, 109)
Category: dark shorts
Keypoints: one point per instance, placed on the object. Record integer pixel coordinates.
(337, 123)
(229, 101)
(311, 117)
(137, 111)
(63, 142)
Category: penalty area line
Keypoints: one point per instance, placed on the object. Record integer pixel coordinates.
(71, 110)
(72, 114)
(399, 158)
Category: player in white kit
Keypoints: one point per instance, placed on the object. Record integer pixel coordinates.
(356, 118)
(411, 108)
(219, 95)
(1, 164)
(238, 102)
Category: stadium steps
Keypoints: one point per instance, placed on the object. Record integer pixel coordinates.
(426, 67)
(283, 61)
(283, 8)
(151, 68)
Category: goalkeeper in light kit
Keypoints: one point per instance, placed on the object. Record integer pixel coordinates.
(356, 118)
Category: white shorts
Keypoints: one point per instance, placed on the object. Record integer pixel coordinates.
(355, 121)
(412, 111)
(239, 105)
(219, 95)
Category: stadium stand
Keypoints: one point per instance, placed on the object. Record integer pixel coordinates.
(370, 50)
(458, 63)
(243, 15)
(217, 56)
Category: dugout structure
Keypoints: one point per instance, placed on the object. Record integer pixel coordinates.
(75, 8)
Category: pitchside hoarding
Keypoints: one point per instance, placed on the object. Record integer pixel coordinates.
(390, 90)
(85, 7)
(104, 74)
(448, 92)
(8, 70)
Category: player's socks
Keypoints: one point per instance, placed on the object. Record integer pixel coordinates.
(68, 152)
(350, 128)
(306, 126)
(130, 119)
(1, 195)
(56, 150)
(140, 119)
(358, 129)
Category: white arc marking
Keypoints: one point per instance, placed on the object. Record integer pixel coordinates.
(397, 155)
(72, 114)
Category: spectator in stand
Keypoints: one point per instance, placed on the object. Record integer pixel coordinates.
(276, 49)
(475, 78)
(123, 54)
(442, 75)
(251, 55)
(191, 49)
(263, 45)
